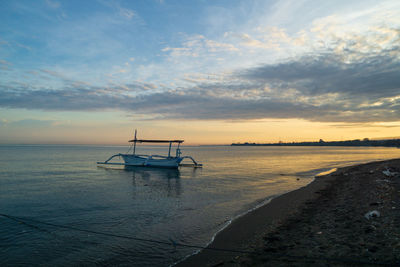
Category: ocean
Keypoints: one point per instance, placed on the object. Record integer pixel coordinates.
(142, 212)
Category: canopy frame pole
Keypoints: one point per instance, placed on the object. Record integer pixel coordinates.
(178, 150)
(134, 143)
(169, 149)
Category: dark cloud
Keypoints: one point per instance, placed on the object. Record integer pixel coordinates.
(374, 76)
(328, 87)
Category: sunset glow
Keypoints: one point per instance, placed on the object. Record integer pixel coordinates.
(212, 72)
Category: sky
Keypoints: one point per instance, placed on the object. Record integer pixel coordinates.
(209, 72)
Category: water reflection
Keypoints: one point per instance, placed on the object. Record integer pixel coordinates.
(160, 180)
(193, 172)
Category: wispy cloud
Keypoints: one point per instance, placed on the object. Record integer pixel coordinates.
(4, 62)
(53, 4)
(198, 45)
(123, 11)
(127, 13)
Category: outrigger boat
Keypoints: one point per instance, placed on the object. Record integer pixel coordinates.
(153, 160)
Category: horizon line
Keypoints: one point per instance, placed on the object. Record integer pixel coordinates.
(215, 144)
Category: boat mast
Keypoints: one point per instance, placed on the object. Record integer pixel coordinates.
(134, 143)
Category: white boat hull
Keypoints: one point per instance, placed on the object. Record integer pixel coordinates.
(135, 160)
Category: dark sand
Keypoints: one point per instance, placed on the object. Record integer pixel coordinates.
(322, 224)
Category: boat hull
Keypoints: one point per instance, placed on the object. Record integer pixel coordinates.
(134, 160)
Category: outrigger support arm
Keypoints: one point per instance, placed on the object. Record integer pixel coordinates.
(113, 156)
(194, 162)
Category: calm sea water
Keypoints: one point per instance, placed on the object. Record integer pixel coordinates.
(63, 185)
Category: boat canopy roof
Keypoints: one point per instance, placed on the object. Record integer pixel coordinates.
(155, 141)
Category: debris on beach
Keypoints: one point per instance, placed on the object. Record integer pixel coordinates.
(389, 173)
(372, 214)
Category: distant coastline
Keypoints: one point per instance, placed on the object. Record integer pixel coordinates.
(355, 143)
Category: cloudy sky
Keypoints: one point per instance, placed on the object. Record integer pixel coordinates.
(210, 72)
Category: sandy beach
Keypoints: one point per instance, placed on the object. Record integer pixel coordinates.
(349, 217)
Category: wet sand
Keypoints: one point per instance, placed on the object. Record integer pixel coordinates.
(324, 223)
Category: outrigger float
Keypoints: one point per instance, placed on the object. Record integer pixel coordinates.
(153, 160)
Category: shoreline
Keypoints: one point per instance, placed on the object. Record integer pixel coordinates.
(282, 215)
(266, 201)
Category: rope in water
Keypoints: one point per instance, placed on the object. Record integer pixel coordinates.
(175, 244)
(24, 220)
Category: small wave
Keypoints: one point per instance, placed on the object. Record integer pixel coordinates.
(326, 172)
(226, 224)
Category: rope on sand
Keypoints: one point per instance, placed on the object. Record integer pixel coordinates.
(275, 256)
